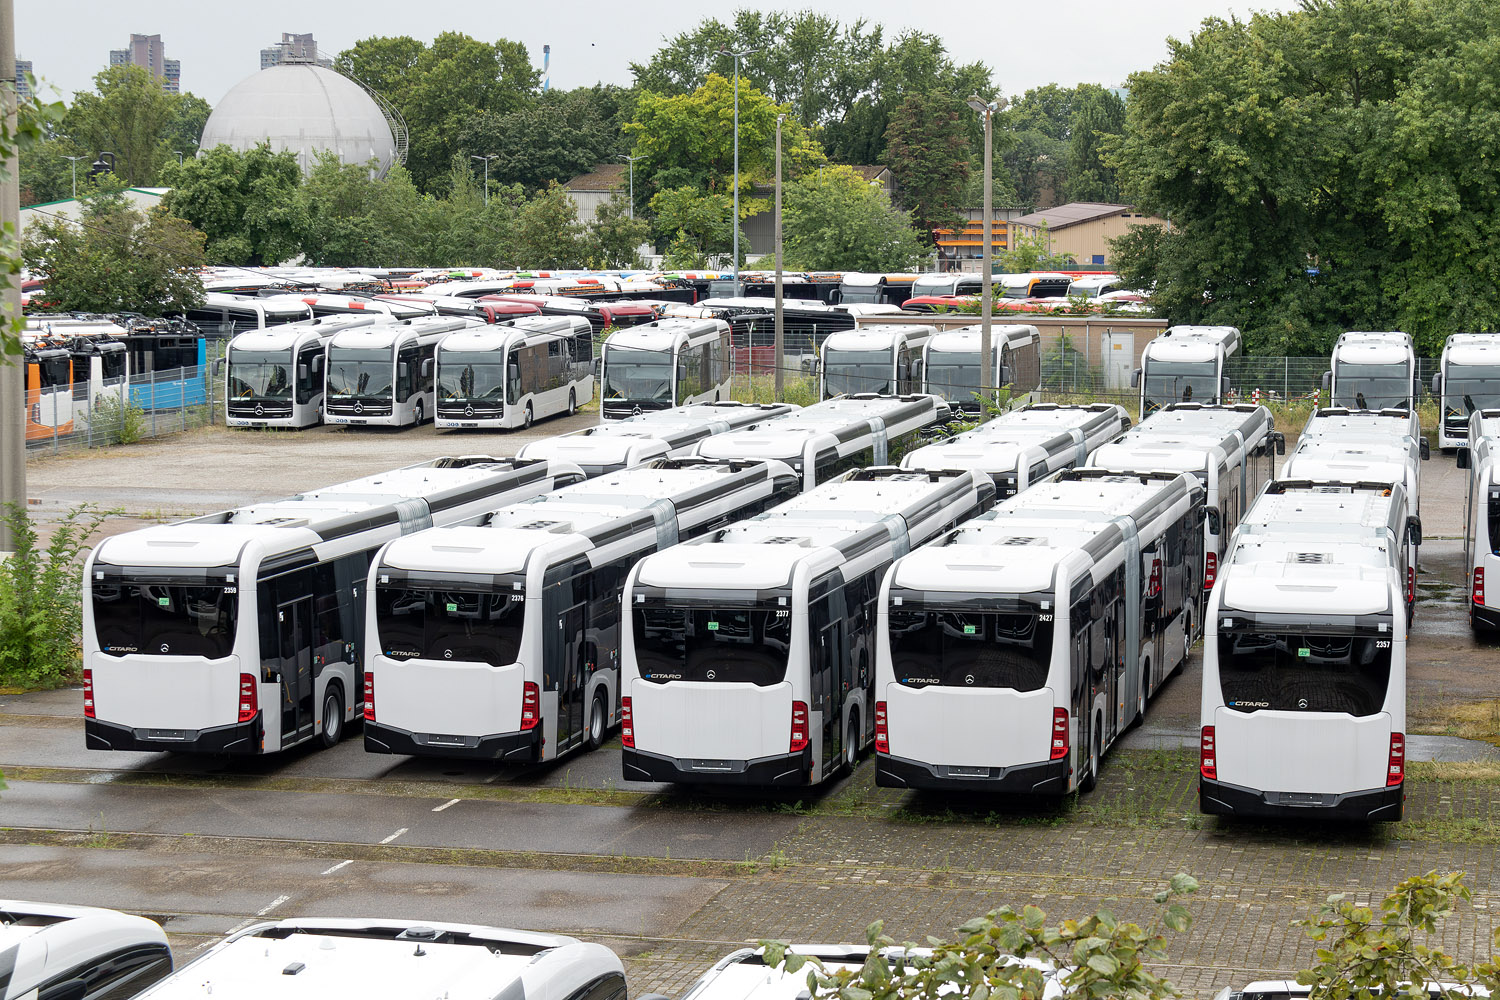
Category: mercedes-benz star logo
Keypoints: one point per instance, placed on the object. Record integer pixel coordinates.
(359, 407)
(165, 647)
(469, 410)
(260, 410)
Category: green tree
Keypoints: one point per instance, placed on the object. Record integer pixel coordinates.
(130, 115)
(33, 122)
(695, 224)
(45, 173)
(553, 139)
(118, 260)
(1031, 253)
(613, 237)
(547, 232)
(245, 202)
(1326, 169)
(1098, 117)
(928, 148)
(834, 220)
(184, 129)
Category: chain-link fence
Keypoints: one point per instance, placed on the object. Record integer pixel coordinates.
(120, 411)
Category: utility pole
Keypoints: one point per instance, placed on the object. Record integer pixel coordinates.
(13, 371)
(779, 354)
(631, 160)
(74, 165)
(736, 220)
(987, 292)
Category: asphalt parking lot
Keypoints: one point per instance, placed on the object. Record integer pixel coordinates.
(671, 878)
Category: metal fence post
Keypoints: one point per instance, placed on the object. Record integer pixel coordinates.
(54, 423)
(182, 401)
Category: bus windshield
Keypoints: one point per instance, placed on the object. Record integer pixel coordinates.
(857, 371)
(436, 623)
(972, 648)
(633, 374)
(360, 373)
(1304, 672)
(953, 375)
(1372, 387)
(1181, 382)
(1467, 388)
(260, 376)
(167, 618)
(471, 375)
(859, 293)
(741, 645)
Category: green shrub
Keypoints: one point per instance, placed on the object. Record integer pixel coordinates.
(117, 420)
(41, 601)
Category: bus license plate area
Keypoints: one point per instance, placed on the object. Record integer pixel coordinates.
(711, 765)
(446, 740)
(967, 772)
(1309, 800)
(177, 735)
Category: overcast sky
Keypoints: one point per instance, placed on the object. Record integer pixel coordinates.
(1028, 44)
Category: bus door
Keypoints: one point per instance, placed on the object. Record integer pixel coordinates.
(572, 677)
(294, 638)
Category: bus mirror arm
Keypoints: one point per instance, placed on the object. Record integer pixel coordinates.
(1328, 383)
(426, 367)
(1437, 383)
(218, 366)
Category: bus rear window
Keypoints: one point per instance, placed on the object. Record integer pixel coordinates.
(164, 619)
(465, 626)
(971, 649)
(727, 645)
(1298, 672)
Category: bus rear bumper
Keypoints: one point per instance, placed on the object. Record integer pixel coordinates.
(1048, 777)
(1484, 619)
(511, 748)
(1218, 798)
(778, 771)
(240, 738)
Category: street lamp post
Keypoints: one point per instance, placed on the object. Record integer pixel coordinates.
(778, 354)
(179, 155)
(986, 293)
(736, 220)
(631, 160)
(74, 165)
(486, 161)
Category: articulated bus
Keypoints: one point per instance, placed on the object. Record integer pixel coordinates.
(383, 374)
(275, 376)
(1303, 709)
(1230, 449)
(1025, 445)
(511, 374)
(1185, 364)
(624, 444)
(1482, 517)
(501, 640)
(224, 315)
(1384, 445)
(1372, 371)
(750, 657)
(241, 632)
(950, 363)
(885, 360)
(830, 438)
(1468, 380)
(1014, 651)
(665, 363)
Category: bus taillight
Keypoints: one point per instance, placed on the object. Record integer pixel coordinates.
(799, 727)
(1411, 584)
(1208, 760)
(369, 696)
(1210, 569)
(1155, 585)
(1479, 586)
(531, 706)
(88, 694)
(249, 698)
(627, 724)
(1059, 733)
(882, 731)
(1395, 771)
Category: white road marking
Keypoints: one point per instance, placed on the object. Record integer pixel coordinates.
(274, 903)
(337, 867)
(237, 928)
(394, 835)
(445, 805)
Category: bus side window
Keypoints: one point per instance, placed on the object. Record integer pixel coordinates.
(903, 371)
(406, 379)
(827, 465)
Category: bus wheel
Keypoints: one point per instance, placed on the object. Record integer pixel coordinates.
(597, 716)
(333, 716)
(1187, 641)
(417, 411)
(527, 424)
(572, 402)
(1140, 705)
(851, 743)
(1091, 771)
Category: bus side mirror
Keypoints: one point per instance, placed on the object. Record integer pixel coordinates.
(1327, 380)
(1223, 388)
(317, 364)
(1215, 521)
(403, 370)
(1135, 379)
(1414, 529)
(302, 373)
(1006, 378)
(218, 366)
(1424, 449)
(1437, 383)
(1280, 439)
(1462, 457)
(426, 367)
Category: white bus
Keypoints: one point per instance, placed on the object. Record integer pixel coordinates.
(224, 314)
(1231, 449)
(240, 632)
(1303, 709)
(1468, 380)
(1025, 445)
(1384, 445)
(383, 374)
(885, 360)
(1372, 371)
(275, 376)
(1014, 651)
(1185, 364)
(329, 304)
(750, 656)
(670, 362)
(50, 951)
(510, 374)
(501, 640)
(1482, 517)
(950, 363)
(830, 438)
(624, 444)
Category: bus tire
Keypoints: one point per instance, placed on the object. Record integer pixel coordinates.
(1140, 708)
(417, 412)
(1090, 777)
(851, 743)
(1187, 642)
(598, 722)
(332, 729)
(572, 402)
(526, 421)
